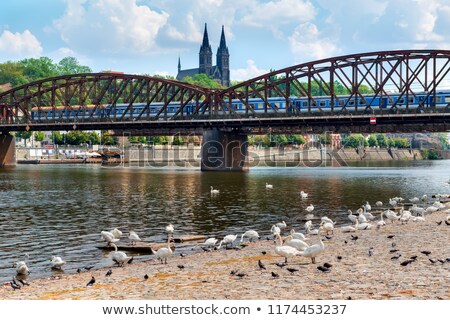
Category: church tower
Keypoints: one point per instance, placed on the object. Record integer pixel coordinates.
(205, 55)
(223, 60)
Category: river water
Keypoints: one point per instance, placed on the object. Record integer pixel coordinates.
(50, 210)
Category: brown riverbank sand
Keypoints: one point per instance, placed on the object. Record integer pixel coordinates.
(206, 275)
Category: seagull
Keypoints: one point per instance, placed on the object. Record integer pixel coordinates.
(91, 282)
(261, 265)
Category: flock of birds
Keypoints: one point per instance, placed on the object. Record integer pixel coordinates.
(289, 246)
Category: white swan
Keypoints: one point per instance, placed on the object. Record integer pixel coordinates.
(392, 202)
(414, 200)
(391, 215)
(285, 251)
(169, 229)
(250, 234)
(298, 244)
(229, 239)
(57, 262)
(420, 218)
(303, 194)
(134, 237)
(363, 226)
(352, 217)
(424, 198)
(214, 191)
(210, 242)
(367, 206)
(431, 209)
(21, 267)
(119, 257)
(310, 208)
(116, 233)
(108, 237)
(361, 217)
(327, 226)
(379, 203)
(314, 250)
(326, 219)
(163, 253)
(381, 223)
(281, 225)
(275, 230)
(297, 235)
(269, 186)
(308, 226)
(348, 229)
(405, 215)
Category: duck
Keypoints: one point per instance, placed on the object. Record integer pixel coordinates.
(214, 191)
(134, 237)
(269, 186)
(303, 194)
(116, 233)
(285, 251)
(229, 239)
(314, 250)
(119, 257)
(57, 262)
(251, 234)
(169, 229)
(108, 237)
(21, 267)
(310, 208)
(297, 235)
(164, 252)
(298, 244)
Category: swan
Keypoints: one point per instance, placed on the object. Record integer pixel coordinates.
(414, 200)
(108, 237)
(169, 229)
(227, 240)
(348, 229)
(285, 251)
(309, 216)
(210, 242)
(116, 233)
(326, 219)
(438, 205)
(163, 253)
(308, 226)
(133, 237)
(214, 191)
(309, 208)
(327, 226)
(352, 217)
(297, 235)
(298, 244)
(419, 219)
(379, 203)
(363, 226)
(390, 215)
(281, 225)
(392, 202)
(424, 198)
(251, 234)
(367, 206)
(119, 257)
(417, 210)
(303, 194)
(314, 250)
(381, 223)
(431, 209)
(405, 215)
(269, 186)
(21, 267)
(361, 217)
(57, 262)
(275, 230)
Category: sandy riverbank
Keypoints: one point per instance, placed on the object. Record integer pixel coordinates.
(207, 274)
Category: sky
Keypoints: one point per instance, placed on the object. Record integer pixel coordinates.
(148, 36)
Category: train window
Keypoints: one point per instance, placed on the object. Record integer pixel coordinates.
(402, 100)
(322, 103)
(152, 109)
(410, 99)
(421, 98)
(447, 99)
(304, 103)
(361, 102)
(351, 103)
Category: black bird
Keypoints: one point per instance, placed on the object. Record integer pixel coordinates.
(393, 250)
(413, 257)
(406, 262)
(233, 272)
(433, 260)
(396, 257)
(180, 266)
(182, 255)
(14, 285)
(241, 275)
(448, 259)
(393, 244)
(370, 251)
(23, 282)
(281, 264)
(130, 261)
(264, 253)
(275, 275)
(327, 265)
(441, 261)
(261, 265)
(354, 238)
(146, 277)
(108, 273)
(447, 223)
(339, 258)
(329, 237)
(91, 282)
(391, 236)
(291, 270)
(348, 298)
(323, 269)
(78, 270)
(88, 268)
(345, 241)
(439, 223)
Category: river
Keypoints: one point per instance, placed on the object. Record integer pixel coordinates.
(50, 210)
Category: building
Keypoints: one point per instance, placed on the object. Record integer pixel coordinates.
(219, 72)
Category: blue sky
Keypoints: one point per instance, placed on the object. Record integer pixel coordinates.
(147, 36)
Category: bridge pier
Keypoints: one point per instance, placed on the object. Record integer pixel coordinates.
(7, 150)
(224, 151)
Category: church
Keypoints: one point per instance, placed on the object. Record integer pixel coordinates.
(220, 72)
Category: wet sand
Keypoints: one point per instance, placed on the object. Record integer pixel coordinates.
(206, 275)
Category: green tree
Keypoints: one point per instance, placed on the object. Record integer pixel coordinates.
(12, 72)
(94, 138)
(325, 139)
(178, 141)
(39, 136)
(203, 80)
(58, 138)
(382, 140)
(70, 65)
(354, 141)
(296, 139)
(373, 142)
(25, 135)
(35, 69)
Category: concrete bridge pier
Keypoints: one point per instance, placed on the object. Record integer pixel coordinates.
(7, 150)
(224, 150)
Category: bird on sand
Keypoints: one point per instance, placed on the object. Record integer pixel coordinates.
(291, 270)
(323, 269)
(91, 282)
(275, 275)
(108, 273)
(146, 277)
(261, 265)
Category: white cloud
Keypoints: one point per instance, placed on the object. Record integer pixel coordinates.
(307, 43)
(190, 32)
(110, 26)
(251, 71)
(14, 45)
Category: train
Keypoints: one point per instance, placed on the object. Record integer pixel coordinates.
(296, 105)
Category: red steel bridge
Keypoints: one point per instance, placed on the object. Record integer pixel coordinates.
(390, 91)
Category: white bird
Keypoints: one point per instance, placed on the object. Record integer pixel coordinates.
(269, 186)
(108, 237)
(21, 267)
(214, 191)
(133, 237)
(229, 239)
(169, 229)
(281, 225)
(297, 235)
(438, 205)
(314, 250)
(421, 218)
(308, 226)
(116, 233)
(390, 215)
(309, 208)
(119, 257)
(392, 202)
(352, 217)
(414, 200)
(57, 262)
(163, 253)
(303, 194)
(251, 234)
(327, 226)
(285, 251)
(348, 229)
(424, 198)
(378, 203)
(431, 209)
(210, 242)
(326, 219)
(298, 244)
(417, 210)
(367, 206)
(381, 223)
(309, 216)
(275, 230)
(405, 215)
(361, 217)
(363, 226)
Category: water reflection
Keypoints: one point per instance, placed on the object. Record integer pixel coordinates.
(60, 210)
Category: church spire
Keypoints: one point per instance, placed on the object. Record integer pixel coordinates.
(223, 44)
(205, 55)
(179, 64)
(205, 42)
